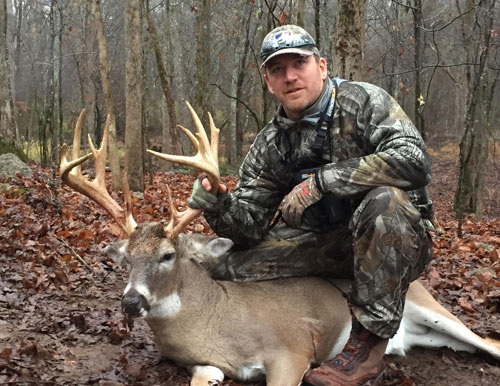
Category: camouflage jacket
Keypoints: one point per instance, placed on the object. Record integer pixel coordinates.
(371, 143)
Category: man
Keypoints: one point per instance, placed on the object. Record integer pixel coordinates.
(349, 170)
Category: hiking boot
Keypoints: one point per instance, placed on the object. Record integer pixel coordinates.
(359, 364)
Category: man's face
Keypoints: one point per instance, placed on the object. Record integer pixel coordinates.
(296, 81)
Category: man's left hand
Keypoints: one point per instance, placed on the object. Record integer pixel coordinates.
(299, 199)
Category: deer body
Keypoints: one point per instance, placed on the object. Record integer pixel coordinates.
(273, 329)
(240, 326)
(246, 330)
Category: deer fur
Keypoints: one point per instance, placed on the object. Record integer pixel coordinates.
(273, 330)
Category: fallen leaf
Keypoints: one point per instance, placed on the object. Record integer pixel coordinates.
(466, 306)
(434, 278)
(6, 353)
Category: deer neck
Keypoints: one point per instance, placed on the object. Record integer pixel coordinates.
(193, 289)
(179, 317)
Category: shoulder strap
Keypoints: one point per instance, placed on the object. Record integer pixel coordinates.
(326, 116)
(339, 81)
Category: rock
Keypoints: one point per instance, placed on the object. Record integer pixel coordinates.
(10, 164)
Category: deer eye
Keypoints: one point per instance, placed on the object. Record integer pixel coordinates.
(167, 257)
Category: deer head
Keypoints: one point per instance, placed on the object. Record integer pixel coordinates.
(159, 265)
(154, 253)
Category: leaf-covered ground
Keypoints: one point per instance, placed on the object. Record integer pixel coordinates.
(60, 317)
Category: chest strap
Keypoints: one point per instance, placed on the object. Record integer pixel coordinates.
(322, 131)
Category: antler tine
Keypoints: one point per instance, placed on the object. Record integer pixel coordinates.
(73, 166)
(203, 144)
(204, 158)
(130, 223)
(101, 154)
(96, 189)
(179, 220)
(77, 136)
(173, 212)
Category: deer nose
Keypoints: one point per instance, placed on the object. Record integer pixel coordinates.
(134, 303)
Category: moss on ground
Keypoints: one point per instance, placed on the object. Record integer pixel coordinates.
(9, 148)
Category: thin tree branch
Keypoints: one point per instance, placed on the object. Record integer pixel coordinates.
(433, 66)
(404, 5)
(446, 24)
(75, 254)
(256, 119)
(452, 20)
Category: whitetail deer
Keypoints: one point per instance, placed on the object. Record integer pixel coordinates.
(274, 329)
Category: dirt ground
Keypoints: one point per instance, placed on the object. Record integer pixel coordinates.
(65, 327)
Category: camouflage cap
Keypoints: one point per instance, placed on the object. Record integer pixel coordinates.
(287, 39)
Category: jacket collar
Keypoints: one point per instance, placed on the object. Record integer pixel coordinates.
(311, 114)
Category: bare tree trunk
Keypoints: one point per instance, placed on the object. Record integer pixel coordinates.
(47, 120)
(79, 73)
(230, 132)
(57, 74)
(18, 6)
(171, 32)
(393, 86)
(203, 44)
(133, 78)
(463, 76)
(87, 68)
(7, 124)
(175, 143)
(59, 80)
(267, 100)
(12, 79)
(474, 144)
(418, 21)
(349, 39)
(106, 87)
(240, 109)
(301, 10)
(18, 9)
(317, 24)
(34, 115)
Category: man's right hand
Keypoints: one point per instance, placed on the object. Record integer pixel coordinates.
(202, 198)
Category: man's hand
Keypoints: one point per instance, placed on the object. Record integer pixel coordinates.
(301, 197)
(201, 198)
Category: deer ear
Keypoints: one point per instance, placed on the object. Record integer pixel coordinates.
(218, 246)
(118, 252)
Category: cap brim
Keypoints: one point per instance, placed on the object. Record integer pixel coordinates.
(306, 51)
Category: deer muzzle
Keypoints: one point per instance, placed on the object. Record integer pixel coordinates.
(135, 304)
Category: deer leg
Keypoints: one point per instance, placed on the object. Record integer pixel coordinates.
(206, 376)
(286, 369)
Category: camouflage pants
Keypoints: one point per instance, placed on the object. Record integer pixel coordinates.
(382, 249)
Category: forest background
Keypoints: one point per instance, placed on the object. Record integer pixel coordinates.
(140, 60)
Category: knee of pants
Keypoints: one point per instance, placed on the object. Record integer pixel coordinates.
(385, 202)
(387, 225)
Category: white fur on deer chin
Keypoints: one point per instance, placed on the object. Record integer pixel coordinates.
(166, 307)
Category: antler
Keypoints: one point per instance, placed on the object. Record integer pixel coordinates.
(179, 220)
(71, 175)
(206, 159)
